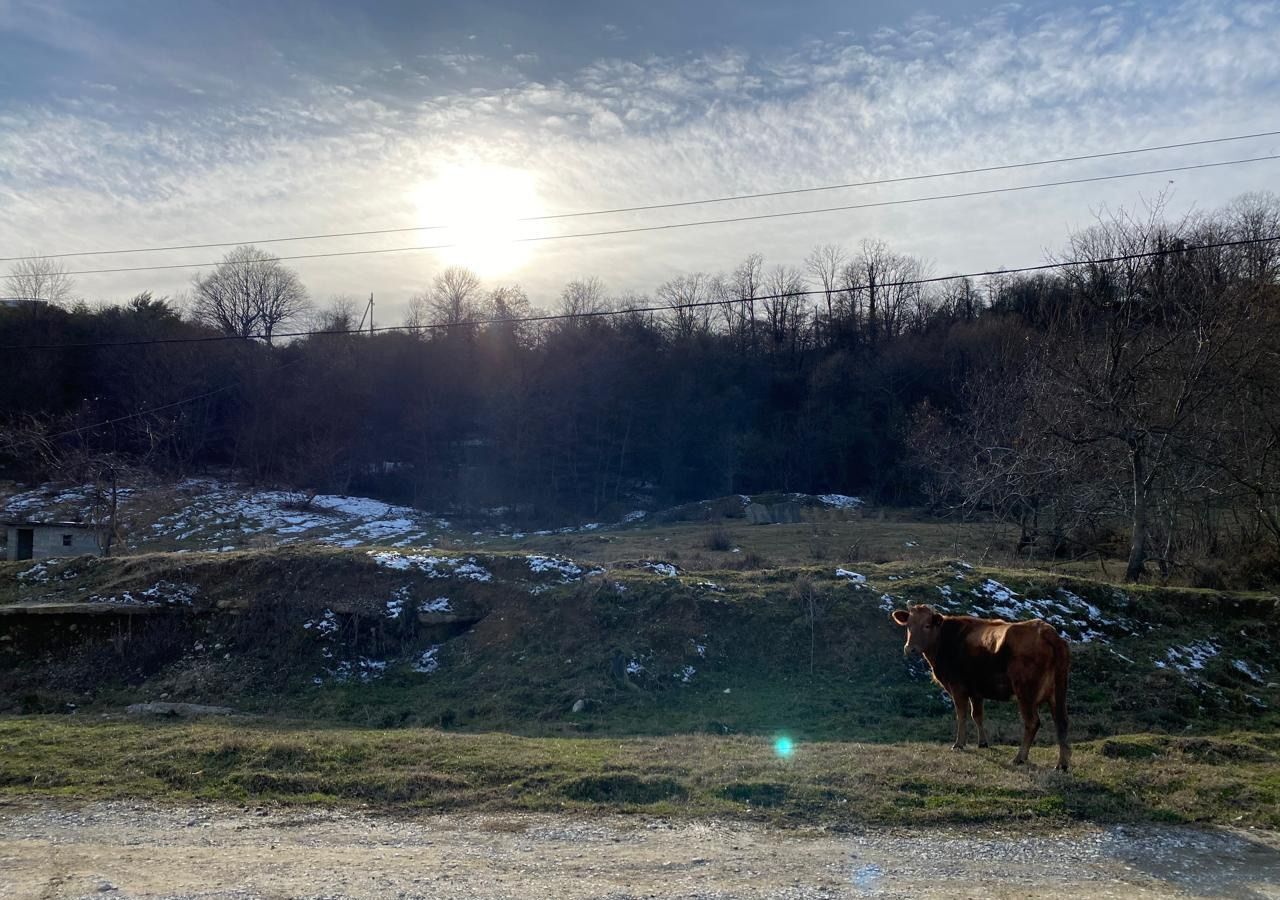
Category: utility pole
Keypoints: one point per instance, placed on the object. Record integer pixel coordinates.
(371, 312)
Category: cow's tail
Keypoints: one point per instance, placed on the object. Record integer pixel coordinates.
(1061, 673)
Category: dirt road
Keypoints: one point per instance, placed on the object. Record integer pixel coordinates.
(118, 850)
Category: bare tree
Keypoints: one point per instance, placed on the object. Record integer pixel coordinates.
(342, 314)
(37, 278)
(583, 296)
(684, 295)
(824, 264)
(784, 306)
(505, 306)
(746, 282)
(455, 296)
(881, 278)
(249, 294)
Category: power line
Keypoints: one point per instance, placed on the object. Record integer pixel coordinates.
(1003, 167)
(721, 302)
(143, 412)
(725, 221)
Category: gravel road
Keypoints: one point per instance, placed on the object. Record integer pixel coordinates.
(129, 850)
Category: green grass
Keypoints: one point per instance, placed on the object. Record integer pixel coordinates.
(493, 727)
(1232, 779)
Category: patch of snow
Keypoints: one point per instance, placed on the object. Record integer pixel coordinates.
(634, 516)
(887, 603)
(1254, 674)
(428, 661)
(171, 592)
(432, 566)
(395, 606)
(664, 569)
(39, 573)
(1191, 657)
(635, 667)
(325, 626)
(567, 569)
(710, 586)
(855, 577)
(700, 649)
(996, 591)
(685, 674)
(840, 501)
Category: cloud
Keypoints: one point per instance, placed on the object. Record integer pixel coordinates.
(346, 150)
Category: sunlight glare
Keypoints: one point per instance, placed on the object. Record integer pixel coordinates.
(481, 205)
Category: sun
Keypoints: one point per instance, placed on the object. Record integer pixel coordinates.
(482, 206)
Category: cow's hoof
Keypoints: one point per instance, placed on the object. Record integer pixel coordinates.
(957, 747)
(1061, 767)
(984, 746)
(1019, 761)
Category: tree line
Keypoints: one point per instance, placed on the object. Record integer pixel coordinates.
(1126, 404)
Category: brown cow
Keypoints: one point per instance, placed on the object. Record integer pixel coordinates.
(991, 659)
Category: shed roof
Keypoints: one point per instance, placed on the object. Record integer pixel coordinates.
(61, 525)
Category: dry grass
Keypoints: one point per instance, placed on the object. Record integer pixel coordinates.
(1232, 779)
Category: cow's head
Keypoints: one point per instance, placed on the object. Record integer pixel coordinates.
(924, 628)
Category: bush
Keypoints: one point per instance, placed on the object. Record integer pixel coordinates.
(718, 539)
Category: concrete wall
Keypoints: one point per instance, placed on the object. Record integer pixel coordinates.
(48, 541)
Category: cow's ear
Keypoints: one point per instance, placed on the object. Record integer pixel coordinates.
(899, 616)
(936, 620)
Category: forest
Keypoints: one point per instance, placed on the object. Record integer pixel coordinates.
(1123, 399)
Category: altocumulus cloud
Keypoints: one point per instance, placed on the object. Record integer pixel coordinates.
(346, 147)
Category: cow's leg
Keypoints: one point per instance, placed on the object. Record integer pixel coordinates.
(1058, 706)
(975, 704)
(1030, 725)
(961, 701)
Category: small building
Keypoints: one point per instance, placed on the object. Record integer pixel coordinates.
(42, 540)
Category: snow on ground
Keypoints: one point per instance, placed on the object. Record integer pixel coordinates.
(214, 514)
(428, 661)
(855, 577)
(664, 569)
(396, 605)
(170, 592)
(840, 501)
(162, 593)
(433, 566)
(567, 569)
(37, 574)
(1190, 657)
(438, 605)
(1076, 618)
(325, 626)
(1253, 672)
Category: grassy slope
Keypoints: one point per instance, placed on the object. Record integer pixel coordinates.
(1165, 744)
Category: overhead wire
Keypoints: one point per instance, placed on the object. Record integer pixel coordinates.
(901, 179)
(721, 302)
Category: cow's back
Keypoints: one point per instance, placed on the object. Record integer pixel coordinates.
(974, 654)
(986, 657)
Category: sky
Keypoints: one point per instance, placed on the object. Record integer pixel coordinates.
(132, 123)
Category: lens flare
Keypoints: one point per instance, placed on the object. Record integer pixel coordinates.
(784, 747)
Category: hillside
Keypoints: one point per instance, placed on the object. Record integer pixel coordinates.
(514, 640)
(481, 670)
